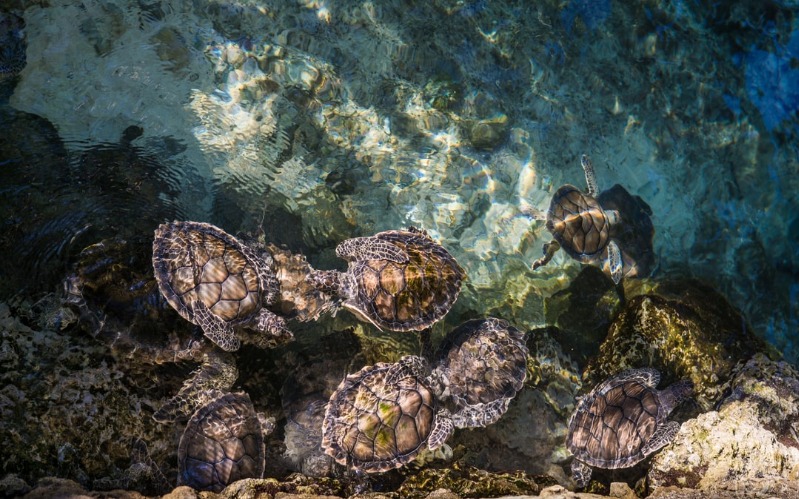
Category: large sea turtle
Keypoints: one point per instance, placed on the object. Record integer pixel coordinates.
(223, 442)
(383, 416)
(587, 229)
(400, 280)
(217, 283)
(622, 421)
(481, 366)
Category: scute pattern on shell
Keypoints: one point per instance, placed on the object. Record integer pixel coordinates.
(197, 262)
(223, 442)
(375, 425)
(612, 424)
(578, 223)
(485, 363)
(407, 296)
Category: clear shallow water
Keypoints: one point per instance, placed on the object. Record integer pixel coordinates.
(323, 121)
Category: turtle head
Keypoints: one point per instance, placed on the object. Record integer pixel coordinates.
(676, 393)
(613, 217)
(327, 281)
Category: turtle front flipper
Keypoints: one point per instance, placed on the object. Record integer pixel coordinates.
(663, 435)
(480, 415)
(550, 249)
(216, 374)
(272, 329)
(615, 262)
(590, 176)
(581, 473)
(532, 212)
(370, 248)
(442, 430)
(215, 328)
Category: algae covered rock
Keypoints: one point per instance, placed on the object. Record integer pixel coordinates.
(472, 482)
(752, 436)
(685, 330)
(66, 405)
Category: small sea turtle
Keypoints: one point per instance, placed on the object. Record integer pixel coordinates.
(217, 283)
(622, 421)
(383, 416)
(582, 227)
(482, 364)
(401, 280)
(223, 442)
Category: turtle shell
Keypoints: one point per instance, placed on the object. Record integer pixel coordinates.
(410, 295)
(223, 442)
(375, 425)
(578, 223)
(198, 262)
(485, 364)
(614, 422)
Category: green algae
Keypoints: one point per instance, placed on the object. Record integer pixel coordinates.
(472, 482)
(686, 330)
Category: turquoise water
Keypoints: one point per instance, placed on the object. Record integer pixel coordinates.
(318, 121)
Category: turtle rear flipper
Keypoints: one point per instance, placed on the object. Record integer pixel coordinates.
(550, 249)
(581, 473)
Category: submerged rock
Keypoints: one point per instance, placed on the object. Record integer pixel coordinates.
(471, 482)
(683, 329)
(750, 439)
(66, 406)
(583, 312)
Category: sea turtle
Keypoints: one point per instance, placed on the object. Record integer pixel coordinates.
(482, 364)
(217, 283)
(223, 442)
(400, 280)
(623, 420)
(383, 416)
(583, 227)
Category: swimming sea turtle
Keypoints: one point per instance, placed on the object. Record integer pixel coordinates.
(383, 416)
(401, 280)
(482, 364)
(622, 421)
(581, 226)
(223, 442)
(217, 283)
